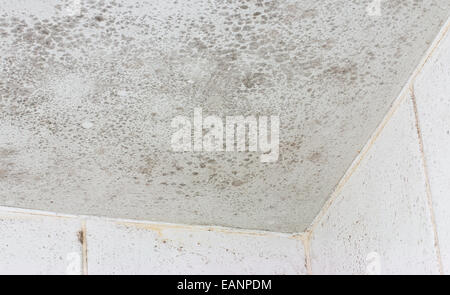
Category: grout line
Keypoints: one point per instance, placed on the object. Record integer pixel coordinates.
(436, 43)
(359, 158)
(307, 249)
(427, 181)
(302, 237)
(355, 164)
(84, 247)
(158, 226)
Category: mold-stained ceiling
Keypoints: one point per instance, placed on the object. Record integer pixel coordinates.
(88, 91)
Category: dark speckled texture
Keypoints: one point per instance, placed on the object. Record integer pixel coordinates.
(87, 96)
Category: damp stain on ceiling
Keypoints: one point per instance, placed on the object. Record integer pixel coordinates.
(88, 91)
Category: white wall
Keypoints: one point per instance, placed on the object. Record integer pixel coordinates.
(34, 242)
(432, 94)
(382, 209)
(390, 212)
(39, 244)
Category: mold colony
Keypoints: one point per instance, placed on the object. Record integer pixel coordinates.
(87, 99)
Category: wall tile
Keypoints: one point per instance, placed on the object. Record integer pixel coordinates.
(115, 248)
(432, 93)
(36, 244)
(380, 221)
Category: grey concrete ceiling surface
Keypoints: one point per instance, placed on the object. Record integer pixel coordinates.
(88, 90)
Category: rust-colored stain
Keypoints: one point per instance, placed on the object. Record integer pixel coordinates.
(83, 240)
(159, 229)
(427, 182)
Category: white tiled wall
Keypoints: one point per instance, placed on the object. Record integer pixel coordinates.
(390, 213)
(117, 248)
(380, 221)
(432, 93)
(38, 244)
(33, 242)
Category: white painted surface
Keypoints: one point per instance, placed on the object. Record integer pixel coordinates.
(119, 248)
(36, 244)
(380, 221)
(432, 92)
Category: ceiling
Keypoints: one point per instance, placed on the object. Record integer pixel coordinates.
(88, 91)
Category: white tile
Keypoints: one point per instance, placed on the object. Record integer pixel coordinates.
(380, 221)
(115, 248)
(432, 92)
(35, 244)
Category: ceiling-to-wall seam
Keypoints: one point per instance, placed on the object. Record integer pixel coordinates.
(396, 104)
(306, 241)
(432, 49)
(356, 163)
(155, 224)
(427, 181)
